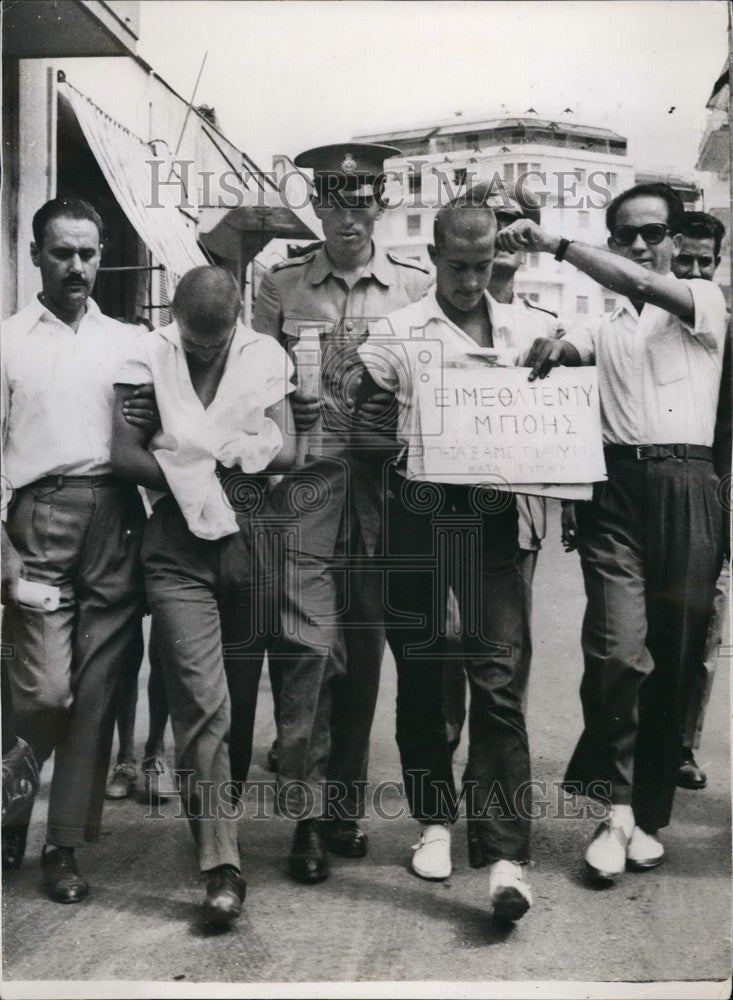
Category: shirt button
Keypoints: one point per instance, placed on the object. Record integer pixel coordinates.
(349, 326)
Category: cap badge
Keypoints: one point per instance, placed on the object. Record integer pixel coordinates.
(349, 164)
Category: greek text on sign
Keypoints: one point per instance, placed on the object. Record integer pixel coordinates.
(476, 422)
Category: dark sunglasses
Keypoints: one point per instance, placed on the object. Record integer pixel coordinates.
(652, 233)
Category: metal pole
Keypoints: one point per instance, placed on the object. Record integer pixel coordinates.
(188, 112)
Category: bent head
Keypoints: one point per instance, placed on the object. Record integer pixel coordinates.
(67, 248)
(206, 307)
(463, 254)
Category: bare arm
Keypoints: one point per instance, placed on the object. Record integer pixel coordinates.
(281, 415)
(130, 457)
(608, 269)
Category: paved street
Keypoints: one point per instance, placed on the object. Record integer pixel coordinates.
(373, 920)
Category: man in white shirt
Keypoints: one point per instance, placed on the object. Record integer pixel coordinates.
(516, 324)
(71, 525)
(465, 538)
(650, 541)
(221, 390)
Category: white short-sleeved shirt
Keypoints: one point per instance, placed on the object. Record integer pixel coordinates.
(658, 376)
(57, 393)
(421, 335)
(232, 429)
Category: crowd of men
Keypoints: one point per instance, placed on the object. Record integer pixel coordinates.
(284, 524)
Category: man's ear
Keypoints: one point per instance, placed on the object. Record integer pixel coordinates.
(717, 262)
(432, 253)
(35, 254)
(676, 244)
(610, 244)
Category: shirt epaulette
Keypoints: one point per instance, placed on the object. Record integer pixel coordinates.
(533, 305)
(406, 262)
(293, 261)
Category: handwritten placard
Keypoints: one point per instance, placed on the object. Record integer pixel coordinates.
(476, 423)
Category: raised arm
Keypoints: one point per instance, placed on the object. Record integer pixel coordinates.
(608, 269)
(130, 457)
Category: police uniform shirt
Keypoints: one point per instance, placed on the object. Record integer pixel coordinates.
(305, 296)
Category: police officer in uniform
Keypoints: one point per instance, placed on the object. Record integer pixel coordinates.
(332, 598)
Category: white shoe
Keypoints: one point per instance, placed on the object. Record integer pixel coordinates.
(643, 851)
(606, 855)
(509, 894)
(432, 853)
(159, 782)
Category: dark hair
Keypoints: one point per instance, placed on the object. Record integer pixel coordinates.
(207, 298)
(701, 226)
(477, 197)
(675, 208)
(64, 208)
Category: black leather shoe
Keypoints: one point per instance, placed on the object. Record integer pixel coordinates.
(14, 839)
(225, 892)
(308, 861)
(272, 758)
(690, 774)
(61, 877)
(344, 837)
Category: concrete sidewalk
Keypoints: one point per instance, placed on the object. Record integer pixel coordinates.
(373, 920)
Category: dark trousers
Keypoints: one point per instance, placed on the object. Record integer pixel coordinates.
(650, 543)
(454, 673)
(327, 659)
(83, 536)
(465, 539)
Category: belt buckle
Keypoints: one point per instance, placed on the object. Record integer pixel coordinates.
(639, 449)
(679, 450)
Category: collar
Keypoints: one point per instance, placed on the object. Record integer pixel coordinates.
(38, 311)
(378, 267)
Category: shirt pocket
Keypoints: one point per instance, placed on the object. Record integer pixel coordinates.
(666, 355)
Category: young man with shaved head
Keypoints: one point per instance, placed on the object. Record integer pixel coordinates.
(429, 526)
(221, 391)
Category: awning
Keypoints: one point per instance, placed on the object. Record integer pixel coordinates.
(125, 161)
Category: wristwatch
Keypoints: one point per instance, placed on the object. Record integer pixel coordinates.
(562, 248)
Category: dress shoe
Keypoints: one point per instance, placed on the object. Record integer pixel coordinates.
(225, 892)
(121, 782)
(431, 859)
(690, 774)
(14, 839)
(344, 837)
(308, 861)
(644, 851)
(509, 894)
(61, 877)
(605, 858)
(273, 759)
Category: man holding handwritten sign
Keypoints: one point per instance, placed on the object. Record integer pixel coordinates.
(461, 536)
(651, 540)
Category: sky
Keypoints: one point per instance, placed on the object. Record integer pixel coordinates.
(287, 76)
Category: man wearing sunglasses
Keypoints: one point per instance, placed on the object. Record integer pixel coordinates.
(651, 540)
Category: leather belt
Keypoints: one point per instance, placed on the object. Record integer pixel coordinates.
(644, 452)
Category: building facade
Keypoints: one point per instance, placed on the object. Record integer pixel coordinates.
(574, 169)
